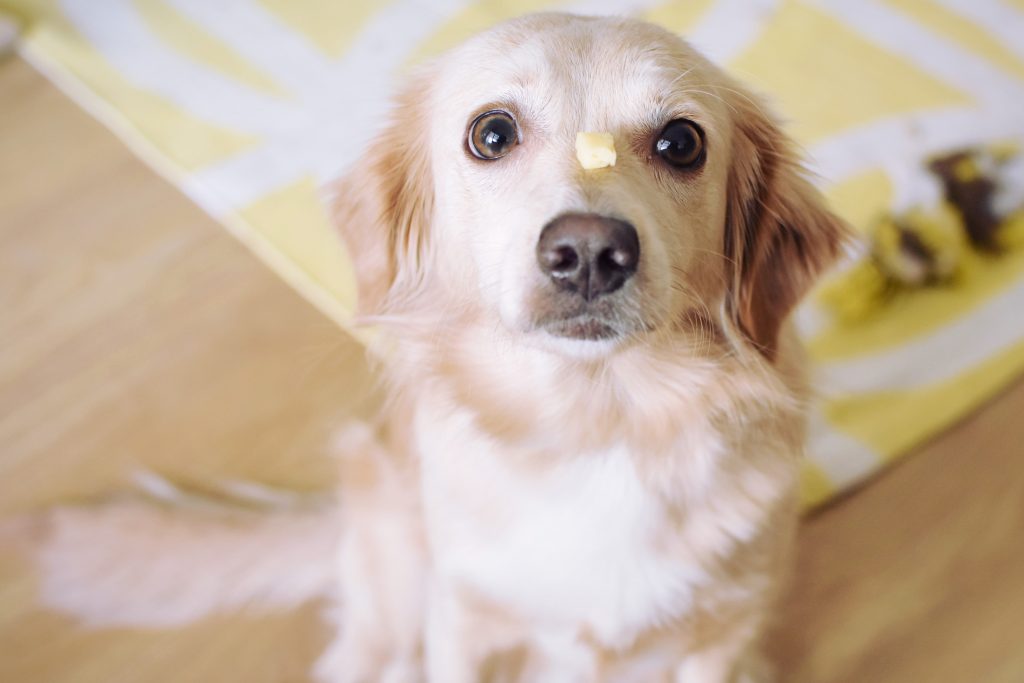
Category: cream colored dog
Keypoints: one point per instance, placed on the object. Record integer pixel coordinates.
(591, 450)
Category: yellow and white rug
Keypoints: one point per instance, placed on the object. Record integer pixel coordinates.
(250, 105)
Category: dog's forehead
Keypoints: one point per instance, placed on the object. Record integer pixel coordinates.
(599, 69)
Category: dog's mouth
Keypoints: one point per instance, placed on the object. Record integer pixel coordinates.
(587, 326)
(582, 327)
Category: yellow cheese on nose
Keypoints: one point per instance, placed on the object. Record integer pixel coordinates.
(595, 150)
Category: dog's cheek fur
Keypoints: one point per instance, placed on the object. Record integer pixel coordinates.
(779, 233)
(384, 206)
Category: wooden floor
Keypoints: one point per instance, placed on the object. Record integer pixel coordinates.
(136, 332)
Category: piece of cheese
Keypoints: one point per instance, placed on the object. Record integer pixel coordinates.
(595, 150)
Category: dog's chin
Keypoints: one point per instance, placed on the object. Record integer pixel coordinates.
(581, 337)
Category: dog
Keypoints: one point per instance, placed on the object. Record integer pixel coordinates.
(587, 466)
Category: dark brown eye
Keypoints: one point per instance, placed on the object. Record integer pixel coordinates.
(492, 135)
(681, 144)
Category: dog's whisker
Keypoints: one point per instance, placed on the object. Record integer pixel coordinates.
(718, 97)
(680, 77)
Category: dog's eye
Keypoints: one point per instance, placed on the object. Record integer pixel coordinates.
(681, 144)
(492, 135)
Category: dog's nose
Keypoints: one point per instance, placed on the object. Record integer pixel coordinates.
(588, 254)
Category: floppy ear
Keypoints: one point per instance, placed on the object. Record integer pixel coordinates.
(779, 234)
(384, 205)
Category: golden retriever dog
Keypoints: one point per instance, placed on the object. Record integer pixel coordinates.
(587, 468)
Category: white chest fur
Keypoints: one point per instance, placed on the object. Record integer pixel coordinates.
(578, 544)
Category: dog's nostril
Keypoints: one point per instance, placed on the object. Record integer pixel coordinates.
(619, 258)
(588, 254)
(560, 261)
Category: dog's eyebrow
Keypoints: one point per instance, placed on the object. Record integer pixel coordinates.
(669, 108)
(524, 81)
(501, 104)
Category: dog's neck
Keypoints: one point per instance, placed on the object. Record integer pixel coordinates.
(648, 396)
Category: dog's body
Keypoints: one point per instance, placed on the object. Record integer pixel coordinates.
(583, 477)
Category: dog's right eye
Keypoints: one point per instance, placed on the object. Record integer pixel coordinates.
(492, 135)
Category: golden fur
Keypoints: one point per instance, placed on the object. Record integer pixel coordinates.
(702, 397)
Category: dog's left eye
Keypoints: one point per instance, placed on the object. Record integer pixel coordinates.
(681, 144)
(492, 135)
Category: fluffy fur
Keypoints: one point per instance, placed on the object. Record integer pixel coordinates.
(548, 508)
(162, 556)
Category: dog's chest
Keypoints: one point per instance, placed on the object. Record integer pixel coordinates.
(581, 544)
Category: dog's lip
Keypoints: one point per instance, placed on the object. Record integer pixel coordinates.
(583, 327)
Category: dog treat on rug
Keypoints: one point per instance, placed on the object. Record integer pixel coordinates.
(595, 150)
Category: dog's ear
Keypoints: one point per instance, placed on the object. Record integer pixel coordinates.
(383, 207)
(779, 234)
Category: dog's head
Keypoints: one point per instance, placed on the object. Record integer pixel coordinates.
(473, 199)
